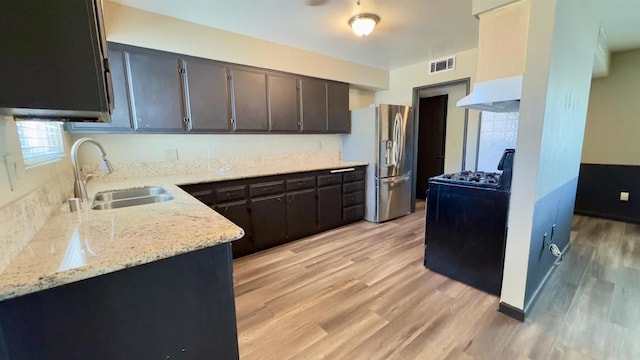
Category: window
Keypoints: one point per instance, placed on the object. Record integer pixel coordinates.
(41, 141)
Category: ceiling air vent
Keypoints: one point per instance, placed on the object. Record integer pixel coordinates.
(441, 65)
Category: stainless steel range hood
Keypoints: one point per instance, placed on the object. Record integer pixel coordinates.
(500, 95)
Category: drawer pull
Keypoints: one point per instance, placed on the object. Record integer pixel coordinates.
(342, 170)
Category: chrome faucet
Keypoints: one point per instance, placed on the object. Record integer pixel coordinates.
(80, 186)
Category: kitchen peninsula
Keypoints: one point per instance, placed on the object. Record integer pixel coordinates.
(137, 282)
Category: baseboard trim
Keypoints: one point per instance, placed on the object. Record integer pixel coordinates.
(534, 297)
(511, 311)
(606, 216)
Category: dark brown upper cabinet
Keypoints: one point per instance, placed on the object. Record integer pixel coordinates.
(121, 116)
(249, 97)
(314, 105)
(156, 91)
(338, 107)
(284, 103)
(161, 92)
(54, 62)
(208, 95)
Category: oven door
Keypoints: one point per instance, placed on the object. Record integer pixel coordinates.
(393, 195)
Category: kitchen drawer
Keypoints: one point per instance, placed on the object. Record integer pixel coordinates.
(202, 192)
(326, 180)
(232, 193)
(267, 188)
(353, 176)
(301, 183)
(353, 198)
(353, 213)
(353, 187)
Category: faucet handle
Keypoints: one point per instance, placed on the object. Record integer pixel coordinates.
(87, 177)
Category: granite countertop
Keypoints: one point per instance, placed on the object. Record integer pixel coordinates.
(75, 246)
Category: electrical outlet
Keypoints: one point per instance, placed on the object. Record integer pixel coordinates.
(624, 196)
(170, 154)
(319, 145)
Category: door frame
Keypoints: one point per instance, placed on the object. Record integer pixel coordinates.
(416, 121)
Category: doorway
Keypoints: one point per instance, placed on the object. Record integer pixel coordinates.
(432, 132)
(440, 141)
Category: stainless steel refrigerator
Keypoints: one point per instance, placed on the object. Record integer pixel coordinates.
(382, 135)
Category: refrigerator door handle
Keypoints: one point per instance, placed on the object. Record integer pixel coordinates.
(397, 138)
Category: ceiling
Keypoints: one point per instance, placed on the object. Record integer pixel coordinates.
(410, 31)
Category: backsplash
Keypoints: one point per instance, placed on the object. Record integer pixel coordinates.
(222, 164)
(23, 218)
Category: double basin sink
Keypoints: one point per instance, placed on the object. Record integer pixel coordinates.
(116, 199)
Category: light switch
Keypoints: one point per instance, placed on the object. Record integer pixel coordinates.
(624, 196)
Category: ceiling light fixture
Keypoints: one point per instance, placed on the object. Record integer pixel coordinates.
(363, 24)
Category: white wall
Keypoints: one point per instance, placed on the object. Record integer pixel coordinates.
(613, 119)
(135, 148)
(403, 80)
(359, 98)
(28, 179)
(559, 61)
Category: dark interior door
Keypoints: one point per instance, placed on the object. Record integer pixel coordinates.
(432, 125)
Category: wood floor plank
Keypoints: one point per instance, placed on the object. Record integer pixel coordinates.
(361, 292)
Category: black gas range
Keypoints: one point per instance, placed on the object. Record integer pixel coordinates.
(483, 179)
(466, 225)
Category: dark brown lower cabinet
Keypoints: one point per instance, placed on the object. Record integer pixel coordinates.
(181, 307)
(301, 214)
(275, 209)
(268, 221)
(329, 207)
(238, 213)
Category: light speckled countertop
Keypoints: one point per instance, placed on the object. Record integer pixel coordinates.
(76, 246)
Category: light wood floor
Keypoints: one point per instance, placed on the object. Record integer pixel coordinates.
(361, 292)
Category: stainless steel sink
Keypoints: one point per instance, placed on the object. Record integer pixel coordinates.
(129, 197)
(129, 193)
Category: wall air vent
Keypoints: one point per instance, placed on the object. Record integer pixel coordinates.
(442, 65)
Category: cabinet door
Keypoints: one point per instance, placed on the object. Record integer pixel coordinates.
(301, 214)
(329, 207)
(338, 107)
(268, 221)
(121, 116)
(284, 114)
(249, 88)
(314, 105)
(208, 91)
(238, 213)
(156, 91)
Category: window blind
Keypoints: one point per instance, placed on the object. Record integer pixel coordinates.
(41, 141)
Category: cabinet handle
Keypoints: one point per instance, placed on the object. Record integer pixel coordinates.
(279, 199)
(342, 170)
